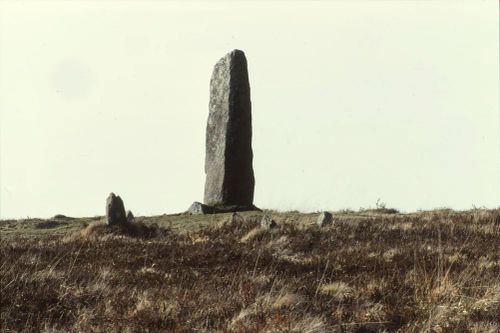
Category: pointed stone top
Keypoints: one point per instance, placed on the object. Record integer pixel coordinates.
(238, 52)
(234, 54)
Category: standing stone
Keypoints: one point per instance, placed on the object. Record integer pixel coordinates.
(130, 216)
(325, 218)
(115, 210)
(228, 162)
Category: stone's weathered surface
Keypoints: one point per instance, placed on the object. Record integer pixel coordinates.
(267, 222)
(115, 210)
(130, 216)
(325, 218)
(228, 161)
(198, 208)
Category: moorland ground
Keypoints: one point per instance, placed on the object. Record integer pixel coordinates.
(370, 271)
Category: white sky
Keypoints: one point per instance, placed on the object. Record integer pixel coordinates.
(352, 101)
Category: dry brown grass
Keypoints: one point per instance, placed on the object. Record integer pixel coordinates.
(433, 271)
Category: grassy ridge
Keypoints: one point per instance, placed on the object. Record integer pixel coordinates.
(435, 271)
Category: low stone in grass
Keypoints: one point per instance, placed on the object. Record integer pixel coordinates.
(198, 208)
(325, 218)
(268, 223)
(115, 210)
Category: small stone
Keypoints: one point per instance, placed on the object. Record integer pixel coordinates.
(115, 210)
(130, 216)
(198, 208)
(268, 223)
(325, 218)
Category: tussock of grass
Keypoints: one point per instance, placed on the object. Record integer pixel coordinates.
(49, 224)
(99, 229)
(425, 272)
(253, 234)
(288, 300)
(337, 290)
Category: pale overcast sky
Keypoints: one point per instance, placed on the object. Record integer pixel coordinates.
(352, 101)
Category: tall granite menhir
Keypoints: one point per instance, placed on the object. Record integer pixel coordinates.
(230, 179)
